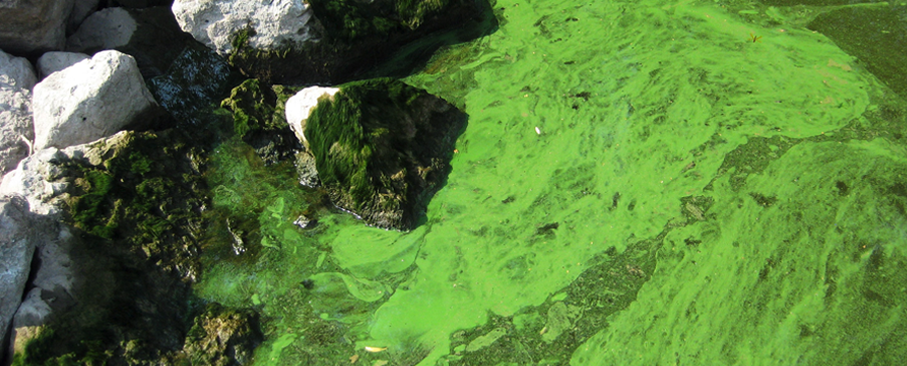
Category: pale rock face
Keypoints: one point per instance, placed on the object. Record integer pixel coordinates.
(92, 99)
(276, 23)
(29, 180)
(16, 249)
(16, 127)
(299, 106)
(16, 72)
(52, 62)
(30, 26)
(107, 29)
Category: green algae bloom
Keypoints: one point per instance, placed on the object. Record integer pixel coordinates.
(640, 183)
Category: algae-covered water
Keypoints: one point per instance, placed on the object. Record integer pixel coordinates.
(642, 182)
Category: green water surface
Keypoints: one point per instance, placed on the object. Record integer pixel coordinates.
(639, 183)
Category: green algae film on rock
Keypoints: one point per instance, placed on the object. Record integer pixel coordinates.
(382, 148)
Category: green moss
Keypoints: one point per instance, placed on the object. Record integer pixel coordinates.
(135, 197)
(345, 127)
(258, 118)
(379, 151)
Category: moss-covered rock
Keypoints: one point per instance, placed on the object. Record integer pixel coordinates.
(137, 201)
(258, 118)
(382, 148)
(148, 193)
(223, 337)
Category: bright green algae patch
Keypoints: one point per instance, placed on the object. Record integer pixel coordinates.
(815, 275)
(606, 139)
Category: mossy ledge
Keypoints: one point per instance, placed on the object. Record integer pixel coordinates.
(382, 148)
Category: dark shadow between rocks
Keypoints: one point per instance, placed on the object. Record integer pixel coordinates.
(344, 55)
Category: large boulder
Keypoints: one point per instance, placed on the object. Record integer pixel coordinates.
(16, 127)
(16, 248)
(89, 100)
(266, 25)
(382, 148)
(33, 26)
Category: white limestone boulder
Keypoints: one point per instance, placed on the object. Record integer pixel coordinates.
(52, 62)
(276, 23)
(31, 179)
(16, 71)
(299, 106)
(104, 30)
(92, 99)
(16, 249)
(16, 127)
(31, 26)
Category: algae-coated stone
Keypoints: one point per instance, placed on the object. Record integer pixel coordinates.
(382, 148)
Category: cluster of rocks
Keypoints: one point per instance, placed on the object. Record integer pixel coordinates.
(75, 73)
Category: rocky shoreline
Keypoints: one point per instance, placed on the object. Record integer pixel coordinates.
(109, 111)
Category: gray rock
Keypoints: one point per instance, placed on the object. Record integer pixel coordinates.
(33, 26)
(16, 249)
(31, 179)
(16, 127)
(276, 23)
(107, 29)
(16, 72)
(52, 62)
(300, 105)
(89, 100)
(54, 281)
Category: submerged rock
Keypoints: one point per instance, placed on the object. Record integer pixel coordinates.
(223, 337)
(383, 148)
(258, 118)
(196, 78)
(92, 99)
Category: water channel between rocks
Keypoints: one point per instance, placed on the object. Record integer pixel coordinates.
(639, 183)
